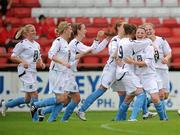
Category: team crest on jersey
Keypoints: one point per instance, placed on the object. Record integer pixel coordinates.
(30, 86)
(60, 88)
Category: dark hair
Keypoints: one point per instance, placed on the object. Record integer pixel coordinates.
(75, 28)
(41, 17)
(129, 29)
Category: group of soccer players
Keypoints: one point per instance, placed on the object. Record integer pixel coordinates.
(137, 66)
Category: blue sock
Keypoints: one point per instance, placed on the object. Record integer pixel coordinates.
(121, 100)
(121, 112)
(45, 102)
(55, 111)
(164, 108)
(69, 110)
(144, 107)
(47, 110)
(137, 105)
(15, 102)
(90, 99)
(160, 110)
(33, 100)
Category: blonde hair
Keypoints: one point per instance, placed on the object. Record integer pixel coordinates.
(61, 27)
(145, 24)
(23, 30)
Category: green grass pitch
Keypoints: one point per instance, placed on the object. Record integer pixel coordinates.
(99, 123)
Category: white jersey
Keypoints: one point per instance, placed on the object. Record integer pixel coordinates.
(60, 48)
(29, 52)
(109, 70)
(163, 49)
(78, 47)
(146, 55)
(112, 47)
(127, 47)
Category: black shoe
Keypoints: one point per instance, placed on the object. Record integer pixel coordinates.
(40, 115)
(33, 110)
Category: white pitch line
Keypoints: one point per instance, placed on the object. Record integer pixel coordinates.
(107, 127)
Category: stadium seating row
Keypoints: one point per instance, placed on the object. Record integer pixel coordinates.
(90, 60)
(107, 12)
(97, 21)
(109, 3)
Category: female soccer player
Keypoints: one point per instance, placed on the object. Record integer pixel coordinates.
(79, 31)
(162, 58)
(27, 54)
(59, 53)
(108, 75)
(145, 70)
(77, 47)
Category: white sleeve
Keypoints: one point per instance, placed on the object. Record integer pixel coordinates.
(95, 44)
(82, 48)
(54, 49)
(149, 55)
(113, 46)
(101, 46)
(18, 49)
(141, 44)
(166, 47)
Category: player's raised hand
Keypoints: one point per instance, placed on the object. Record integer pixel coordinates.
(100, 34)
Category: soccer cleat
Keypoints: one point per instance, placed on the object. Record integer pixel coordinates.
(81, 115)
(4, 108)
(33, 110)
(40, 115)
(132, 120)
(149, 115)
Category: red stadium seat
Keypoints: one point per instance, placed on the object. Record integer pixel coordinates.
(104, 55)
(176, 63)
(3, 50)
(173, 41)
(16, 3)
(67, 19)
(30, 3)
(92, 32)
(170, 22)
(163, 32)
(175, 52)
(104, 59)
(136, 21)
(176, 32)
(91, 60)
(25, 21)
(43, 41)
(153, 20)
(3, 60)
(85, 20)
(115, 19)
(16, 22)
(100, 22)
(10, 13)
(88, 41)
(22, 12)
